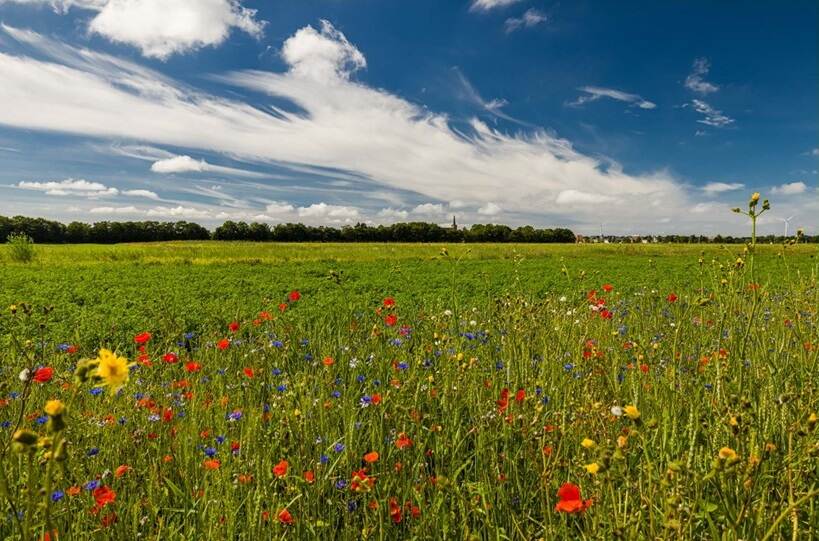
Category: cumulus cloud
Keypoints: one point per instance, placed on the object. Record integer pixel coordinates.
(790, 188)
(141, 193)
(486, 5)
(719, 187)
(530, 18)
(161, 28)
(325, 213)
(70, 186)
(594, 93)
(489, 209)
(332, 123)
(696, 79)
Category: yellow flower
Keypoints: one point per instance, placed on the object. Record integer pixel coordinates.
(587, 443)
(54, 408)
(592, 468)
(755, 197)
(632, 412)
(726, 453)
(112, 370)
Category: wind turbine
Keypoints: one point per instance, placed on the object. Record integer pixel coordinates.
(787, 222)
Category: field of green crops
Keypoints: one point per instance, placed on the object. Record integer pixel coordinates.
(389, 391)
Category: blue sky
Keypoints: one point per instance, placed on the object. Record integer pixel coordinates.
(642, 116)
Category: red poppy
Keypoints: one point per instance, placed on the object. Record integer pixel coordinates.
(294, 296)
(403, 441)
(142, 337)
(44, 374)
(503, 401)
(170, 358)
(71, 349)
(390, 320)
(285, 517)
(233, 326)
(671, 297)
(389, 302)
(212, 464)
(265, 316)
(520, 396)
(395, 511)
(280, 469)
(328, 361)
(310, 477)
(605, 314)
(375, 399)
(103, 495)
(361, 482)
(248, 372)
(570, 499)
(607, 287)
(193, 366)
(371, 457)
(121, 470)
(223, 344)
(282, 307)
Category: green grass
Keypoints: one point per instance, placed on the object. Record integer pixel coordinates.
(724, 366)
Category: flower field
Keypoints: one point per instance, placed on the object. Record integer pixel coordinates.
(240, 391)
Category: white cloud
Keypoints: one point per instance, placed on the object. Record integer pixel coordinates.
(486, 5)
(79, 187)
(116, 211)
(713, 117)
(489, 209)
(790, 188)
(141, 193)
(815, 152)
(695, 80)
(530, 18)
(178, 212)
(719, 187)
(323, 55)
(594, 93)
(361, 131)
(392, 214)
(161, 28)
(329, 213)
(186, 164)
(429, 209)
(279, 207)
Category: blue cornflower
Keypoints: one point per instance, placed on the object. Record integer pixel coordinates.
(220, 440)
(277, 372)
(281, 388)
(57, 495)
(403, 366)
(324, 459)
(91, 485)
(42, 420)
(210, 452)
(336, 394)
(94, 451)
(96, 391)
(340, 484)
(361, 378)
(339, 447)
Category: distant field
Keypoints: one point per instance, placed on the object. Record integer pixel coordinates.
(129, 286)
(386, 391)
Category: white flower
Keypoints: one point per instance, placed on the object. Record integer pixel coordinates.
(24, 374)
(563, 298)
(617, 411)
(447, 312)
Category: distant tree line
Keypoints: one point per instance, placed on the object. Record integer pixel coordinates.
(52, 232)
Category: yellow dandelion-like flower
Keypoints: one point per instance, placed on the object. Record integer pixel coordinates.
(592, 468)
(726, 453)
(113, 370)
(755, 197)
(54, 408)
(587, 443)
(632, 412)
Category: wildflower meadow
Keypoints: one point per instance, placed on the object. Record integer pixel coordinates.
(243, 391)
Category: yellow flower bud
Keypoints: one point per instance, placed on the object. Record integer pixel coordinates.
(632, 412)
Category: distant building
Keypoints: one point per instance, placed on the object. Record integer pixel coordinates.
(454, 225)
